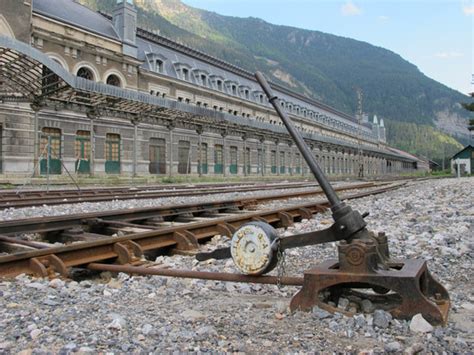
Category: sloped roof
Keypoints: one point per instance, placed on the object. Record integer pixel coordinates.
(73, 13)
(469, 147)
(404, 154)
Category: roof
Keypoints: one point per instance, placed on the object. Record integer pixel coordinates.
(469, 147)
(404, 154)
(75, 14)
(29, 82)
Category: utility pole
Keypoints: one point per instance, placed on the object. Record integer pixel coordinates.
(359, 131)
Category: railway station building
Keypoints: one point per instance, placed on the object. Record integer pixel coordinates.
(94, 94)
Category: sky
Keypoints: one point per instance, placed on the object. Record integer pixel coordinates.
(435, 35)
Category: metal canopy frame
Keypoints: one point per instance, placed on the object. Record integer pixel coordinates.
(28, 75)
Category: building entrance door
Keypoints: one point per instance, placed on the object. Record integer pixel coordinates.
(233, 160)
(157, 156)
(184, 157)
(50, 150)
(112, 153)
(83, 149)
(218, 159)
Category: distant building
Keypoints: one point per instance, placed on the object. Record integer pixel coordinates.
(109, 97)
(464, 160)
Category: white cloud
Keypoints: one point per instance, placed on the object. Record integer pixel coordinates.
(448, 55)
(467, 7)
(350, 9)
(383, 18)
(468, 10)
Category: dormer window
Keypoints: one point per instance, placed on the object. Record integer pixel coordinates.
(156, 62)
(157, 66)
(204, 80)
(201, 77)
(244, 92)
(216, 82)
(183, 71)
(185, 74)
(232, 87)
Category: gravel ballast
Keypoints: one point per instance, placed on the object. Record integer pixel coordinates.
(122, 314)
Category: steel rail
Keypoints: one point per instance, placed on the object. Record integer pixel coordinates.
(111, 248)
(11, 199)
(48, 224)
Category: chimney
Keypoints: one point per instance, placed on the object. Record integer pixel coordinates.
(125, 23)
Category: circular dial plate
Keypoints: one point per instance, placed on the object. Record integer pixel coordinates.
(251, 248)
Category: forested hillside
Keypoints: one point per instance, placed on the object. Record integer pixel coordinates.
(322, 66)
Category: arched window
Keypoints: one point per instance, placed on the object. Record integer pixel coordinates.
(85, 73)
(114, 80)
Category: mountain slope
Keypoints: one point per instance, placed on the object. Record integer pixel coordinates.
(317, 64)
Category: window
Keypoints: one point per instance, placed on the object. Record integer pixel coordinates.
(82, 150)
(203, 80)
(157, 151)
(49, 81)
(157, 65)
(184, 157)
(203, 167)
(273, 160)
(50, 151)
(219, 85)
(185, 74)
(218, 159)
(85, 73)
(112, 153)
(233, 167)
(114, 80)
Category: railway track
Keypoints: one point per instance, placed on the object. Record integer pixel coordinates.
(132, 240)
(14, 199)
(142, 219)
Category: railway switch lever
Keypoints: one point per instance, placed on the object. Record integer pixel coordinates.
(363, 269)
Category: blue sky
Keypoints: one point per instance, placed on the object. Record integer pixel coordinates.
(436, 35)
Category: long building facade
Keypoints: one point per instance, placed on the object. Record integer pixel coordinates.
(183, 89)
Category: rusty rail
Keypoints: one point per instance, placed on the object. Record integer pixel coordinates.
(12, 199)
(49, 224)
(128, 248)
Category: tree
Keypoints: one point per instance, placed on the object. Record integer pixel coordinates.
(470, 107)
